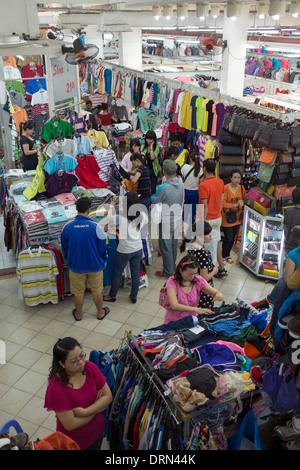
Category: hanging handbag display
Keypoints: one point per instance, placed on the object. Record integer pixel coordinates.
(232, 149)
(265, 135)
(296, 151)
(296, 162)
(268, 156)
(280, 178)
(252, 128)
(280, 139)
(292, 181)
(228, 138)
(295, 172)
(295, 136)
(265, 172)
(283, 168)
(259, 130)
(286, 157)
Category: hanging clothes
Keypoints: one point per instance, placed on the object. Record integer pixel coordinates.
(87, 171)
(55, 128)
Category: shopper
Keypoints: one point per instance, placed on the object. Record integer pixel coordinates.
(84, 99)
(171, 154)
(106, 118)
(84, 248)
(211, 195)
(206, 268)
(232, 212)
(176, 141)
(130, 248)
(170, 226)
(191, 173)
(292, 219)
(78, 394)
(151, 149)
(30, 151)
(184, 290)
(134, 147)
(140, 177)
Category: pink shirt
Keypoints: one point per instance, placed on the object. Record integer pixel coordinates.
(191, 299)
(61, 397)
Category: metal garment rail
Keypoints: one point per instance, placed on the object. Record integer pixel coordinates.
(195, 89)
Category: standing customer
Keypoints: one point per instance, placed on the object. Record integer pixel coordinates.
(30, 151)
(232, 212)
(134, 147)
(170, 226)
(152, 150)
(211, 195)
(292, 219)
(130, 248)
(84, 247)
(191, 173)
(140, 177)
(78, 394)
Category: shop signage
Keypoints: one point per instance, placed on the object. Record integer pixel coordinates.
(65, 82)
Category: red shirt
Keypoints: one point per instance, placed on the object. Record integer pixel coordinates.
(105, 119)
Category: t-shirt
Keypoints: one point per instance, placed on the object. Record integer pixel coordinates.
(30, 142)
(294, 255)
(191, 299)
(191, 182)
(61, 397)
(129, 235)
(230, 200)
(143, 184)
(105, 119)
(291, 219)
(212, 189)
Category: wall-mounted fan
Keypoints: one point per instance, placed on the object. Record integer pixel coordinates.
(80, 53)
(55, 33)
(211, 44)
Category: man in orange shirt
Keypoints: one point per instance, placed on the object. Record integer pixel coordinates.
(211, 195)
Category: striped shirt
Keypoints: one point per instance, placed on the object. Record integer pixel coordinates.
(37, 271)
(105, 158)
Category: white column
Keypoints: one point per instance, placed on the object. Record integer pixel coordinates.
(233, 58)
(130, 49)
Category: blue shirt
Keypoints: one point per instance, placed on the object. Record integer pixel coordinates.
(294, 255)
(84, 245)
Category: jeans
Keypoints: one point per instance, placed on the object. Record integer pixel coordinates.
(229, 237)
(122, 259)
(153, 181)
(168, 248)
(191, 198)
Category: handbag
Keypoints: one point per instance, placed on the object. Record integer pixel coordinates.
(259, 130)
(232, 149)
(280, 178)
(252, 127)
(265, 172)
(292, 181)
(296, 151)
(295, 172)
(296, 162)
(279, 383)
(163, 298)
(280, 139)
(225, 170)
(265, 135)
(247, 437)
(285, 157)
(295, 136)
(268, 156)
(228, 138)
(283, 168)
(231, 216)
(283, 191)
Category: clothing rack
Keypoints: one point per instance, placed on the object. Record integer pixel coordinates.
(211, 94)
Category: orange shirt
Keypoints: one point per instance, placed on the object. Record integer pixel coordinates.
(211, 189)
(230, 199)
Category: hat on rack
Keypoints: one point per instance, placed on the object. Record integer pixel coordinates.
(296, 230)
(170, 167)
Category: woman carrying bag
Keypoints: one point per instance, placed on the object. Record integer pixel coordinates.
(232, 211)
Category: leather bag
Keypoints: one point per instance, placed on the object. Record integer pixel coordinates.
(232, 150)
(296, 162)
(268, 156)
(280, 139)
(228, 138)
(295, 136)
(265, 172)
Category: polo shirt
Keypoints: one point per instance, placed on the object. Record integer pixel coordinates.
(212, 189)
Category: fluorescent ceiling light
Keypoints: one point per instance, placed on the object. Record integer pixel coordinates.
(234, 9)
(168, 11)
(182, 10)
(277, 9)
(156, 11)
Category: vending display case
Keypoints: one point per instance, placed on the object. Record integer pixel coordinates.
(262, 244)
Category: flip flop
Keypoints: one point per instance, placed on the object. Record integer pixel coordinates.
(229, 260)
(106, 312)
(73, 313)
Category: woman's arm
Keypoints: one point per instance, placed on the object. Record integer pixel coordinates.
(289, 269)
(206, 275)
(28, 152)
(214, 293)
(102, 401)
(175, 305)
(134, 178)
(71, 422)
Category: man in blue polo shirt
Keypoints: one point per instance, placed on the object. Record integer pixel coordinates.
(84, 248)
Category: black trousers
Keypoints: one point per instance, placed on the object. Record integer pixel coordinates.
(229, 237)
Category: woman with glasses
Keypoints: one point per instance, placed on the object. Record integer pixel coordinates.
(78, 394)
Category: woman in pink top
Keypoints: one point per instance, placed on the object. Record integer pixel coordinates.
(78, 393)
(184, 291)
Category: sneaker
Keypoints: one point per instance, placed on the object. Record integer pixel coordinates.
(286, 433)
(296, 420)
(294, 327)
(283, 322)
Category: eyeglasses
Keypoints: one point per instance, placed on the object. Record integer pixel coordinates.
(74, 362)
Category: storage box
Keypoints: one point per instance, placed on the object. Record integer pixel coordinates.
(270, 272)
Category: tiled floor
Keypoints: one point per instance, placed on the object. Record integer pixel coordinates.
(30, 333)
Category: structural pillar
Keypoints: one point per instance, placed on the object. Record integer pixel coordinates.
(130, 49)
(234, 56)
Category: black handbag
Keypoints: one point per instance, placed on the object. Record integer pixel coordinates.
(232, 159)
(280, 178)
(297, 151)
(231, 217)
(296, 161)
(228, 138)
(265, 136)
(280, 139)
(292, 181)
(259, 130)
(232, 150)
(295, 136)
(287, 201)
(295, 172)
(251, 129)
(283, 168)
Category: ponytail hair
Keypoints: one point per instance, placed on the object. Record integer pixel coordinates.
(26, 125)
(194, 157)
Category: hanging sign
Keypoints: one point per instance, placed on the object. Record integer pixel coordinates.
(65, 81)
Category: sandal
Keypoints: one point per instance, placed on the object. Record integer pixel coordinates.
(229, 260)
(106, 312)
(222, 273)
(73, 313)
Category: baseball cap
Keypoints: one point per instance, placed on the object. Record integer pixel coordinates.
(84, 95)
(170, 167)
